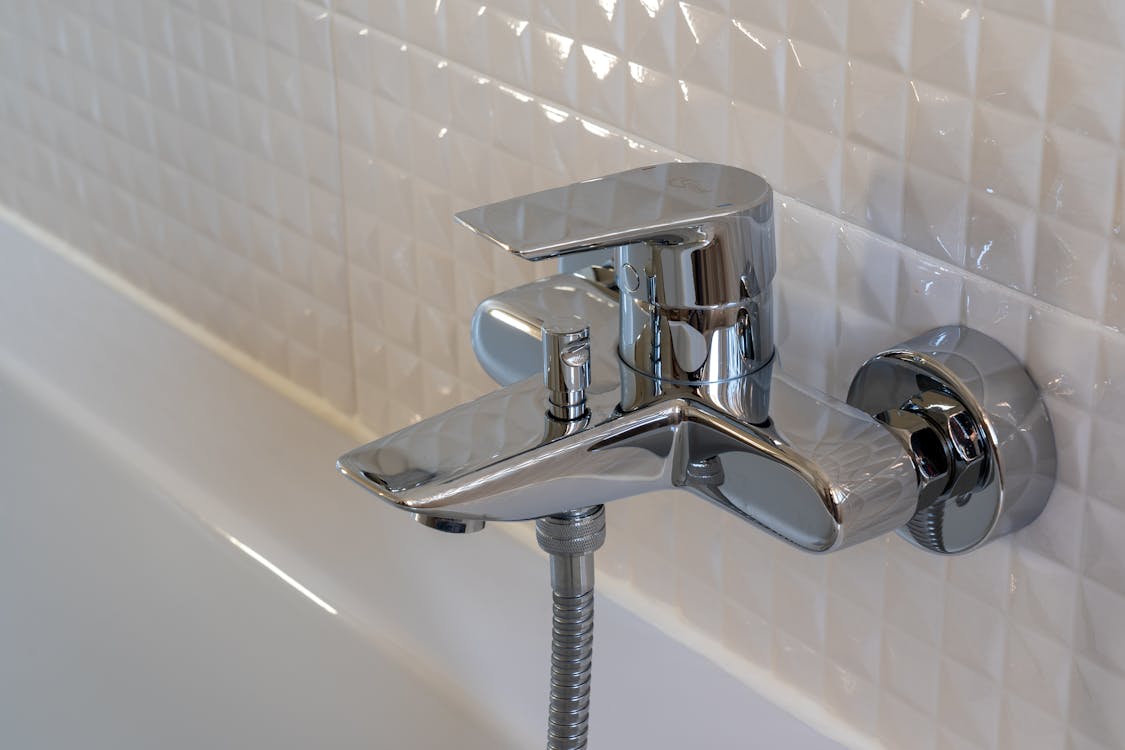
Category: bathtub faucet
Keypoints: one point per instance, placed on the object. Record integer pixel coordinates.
(654, 367)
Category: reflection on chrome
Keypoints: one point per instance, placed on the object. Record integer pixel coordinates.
(510, 320)
(257, 557)
(944, 437)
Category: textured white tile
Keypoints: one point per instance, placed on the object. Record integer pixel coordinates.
(848, 694)
(1077, 174)
(868, 274)
(1106, 474)
(286, 174)
(1001, 242)
(766, 52)
(1071, 269)
(749, 633)
(935, 215)
(1109, 383)
(985, 576)
(973, 633)
(859, 577)
(854, 638)
(903, 725)
(704, 37)
(1098, 21)
(1095, 708)
(929, 296)
(1072, 427)
(969, 705)
(798, 663)
(1101, 612)
(1103, 556)
(940, 131)
(1024, 725)
(877, 107)
(944, 47)
(1058, 535)
(1013, 65)
(1037, 669)
(814, 84)
(1043, 595)
(703, 117)
(801, 603)
(873, 189)
(799, 330)
(1085, 88)
(1061, 355)
(1007, 154)
(1032, 10)
(210, 105)
(747, 572)
(695, 532)
(757, 140)
(911, 605)
(700, 605)
(813, 165)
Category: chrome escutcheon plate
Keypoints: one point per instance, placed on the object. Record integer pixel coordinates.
(1004, 417)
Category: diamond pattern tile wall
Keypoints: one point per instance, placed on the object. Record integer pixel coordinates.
(286, 172)
(193, 148)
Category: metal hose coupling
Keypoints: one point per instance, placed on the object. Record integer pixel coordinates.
(571, 539)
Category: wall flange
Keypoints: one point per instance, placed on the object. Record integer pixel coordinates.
(972, 417)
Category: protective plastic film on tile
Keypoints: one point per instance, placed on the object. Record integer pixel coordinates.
(285, 173)
(198, 145)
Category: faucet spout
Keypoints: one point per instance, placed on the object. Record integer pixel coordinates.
(945, 436)
(817, 473)
(502, 457)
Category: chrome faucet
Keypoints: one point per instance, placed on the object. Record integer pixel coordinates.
(658, 370)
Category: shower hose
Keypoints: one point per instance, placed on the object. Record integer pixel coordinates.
(570, 540)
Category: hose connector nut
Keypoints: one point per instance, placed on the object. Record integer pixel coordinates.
(572, 533)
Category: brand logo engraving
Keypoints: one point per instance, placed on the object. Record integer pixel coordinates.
(687, 184)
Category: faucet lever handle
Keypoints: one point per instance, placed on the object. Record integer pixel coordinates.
(633, 206)
(566, 366)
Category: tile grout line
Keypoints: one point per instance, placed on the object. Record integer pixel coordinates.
(235, 356)
(945, 266)
(508, 87)
(900, 246)
(344, 245)
(188, 176)
(1041, 121)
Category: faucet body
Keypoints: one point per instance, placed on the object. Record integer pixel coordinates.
(685, 390)
(695, 259)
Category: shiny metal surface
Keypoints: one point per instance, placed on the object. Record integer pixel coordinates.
(998, 435)
(572, 637)
(566, 366)
(449, 525)
(507, 328)
(924, 443)
(820, 474)
(570, 539)
(695, 246)
(695, 398)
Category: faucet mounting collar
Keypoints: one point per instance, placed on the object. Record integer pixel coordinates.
(997, 446)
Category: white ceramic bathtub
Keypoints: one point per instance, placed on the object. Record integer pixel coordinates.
(181, 567)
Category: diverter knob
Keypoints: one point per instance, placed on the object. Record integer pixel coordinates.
(566, 366)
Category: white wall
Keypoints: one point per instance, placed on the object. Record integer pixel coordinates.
(286, 172)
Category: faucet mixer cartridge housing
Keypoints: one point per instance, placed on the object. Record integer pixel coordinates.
(695, 258)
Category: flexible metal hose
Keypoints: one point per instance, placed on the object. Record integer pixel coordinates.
(572, 641)
(570, 540)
